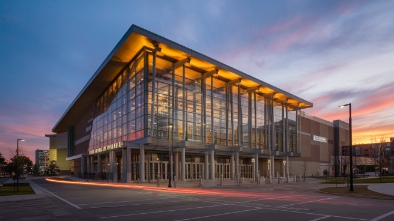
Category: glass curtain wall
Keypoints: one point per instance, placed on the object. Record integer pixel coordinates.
(121, 113)
(187, 107)
(219, 112)
(278, 122)
(292, 131)
(118, 114)
(235, 109)
(260, 127)
(245, 118)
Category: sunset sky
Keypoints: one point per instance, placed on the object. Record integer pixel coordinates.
(327, 52)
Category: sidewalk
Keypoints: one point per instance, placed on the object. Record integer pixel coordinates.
(384, 188)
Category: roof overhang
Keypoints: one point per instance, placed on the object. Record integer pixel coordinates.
(131, 43)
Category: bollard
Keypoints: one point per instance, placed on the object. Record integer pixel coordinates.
(221, 179)
(258, 177)
(199, 177)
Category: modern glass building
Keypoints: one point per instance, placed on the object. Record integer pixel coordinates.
(155, 109)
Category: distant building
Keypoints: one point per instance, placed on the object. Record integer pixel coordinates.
(58, 152)
(367, 157)
(42, 159)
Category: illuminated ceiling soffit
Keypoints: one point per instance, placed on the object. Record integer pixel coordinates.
(176, 54)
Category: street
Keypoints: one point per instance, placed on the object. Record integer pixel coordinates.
(143, 202)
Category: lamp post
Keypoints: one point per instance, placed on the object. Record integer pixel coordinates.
(169, 155)
(350, 145)
(17, 165)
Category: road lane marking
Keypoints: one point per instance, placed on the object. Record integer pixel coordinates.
(161, 211)
(285, 209)
(64, 200)
(383, 216)
(312, 201)
(324, 217)
(131, 201)
(220, 214)
(138, 204)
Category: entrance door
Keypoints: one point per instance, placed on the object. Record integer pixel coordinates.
(222, 169)
(154, 170)
(197, 170)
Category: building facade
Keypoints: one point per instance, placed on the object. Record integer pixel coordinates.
(58, 151)
(156, 109)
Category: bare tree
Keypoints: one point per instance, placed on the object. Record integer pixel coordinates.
(378, 151)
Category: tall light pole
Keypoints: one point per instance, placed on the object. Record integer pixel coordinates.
(17, 165)
(169, 155)
(350, 145)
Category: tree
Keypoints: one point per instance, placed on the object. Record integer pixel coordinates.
(24, 165)
(3, 164)
(52, 169)
(36, 169)
(378, 151)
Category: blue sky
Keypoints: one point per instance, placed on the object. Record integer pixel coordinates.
(327, 52)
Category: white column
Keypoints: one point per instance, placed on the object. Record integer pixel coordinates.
(99, 167)
(212, 164)
(92, 164)
(287, 166)
(107, 163)
(272, 166)
(256, 163)
(128, 165)
(114, 167)
(110, 166)
(232, 166)
(237, 166)
(88, 165)
(83, 166)
(142, 164)
(177, 165)
(124, 165)
(206, 168)
(183, 163)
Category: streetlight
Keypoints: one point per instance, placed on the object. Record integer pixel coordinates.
(170, 155)
(16, 162)
(351, 146)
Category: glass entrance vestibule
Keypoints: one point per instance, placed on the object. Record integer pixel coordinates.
(111, 166)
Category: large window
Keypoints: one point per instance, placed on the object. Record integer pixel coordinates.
(119, 111)
(278, 122)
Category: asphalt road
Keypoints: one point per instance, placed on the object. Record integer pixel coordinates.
(132, 202)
